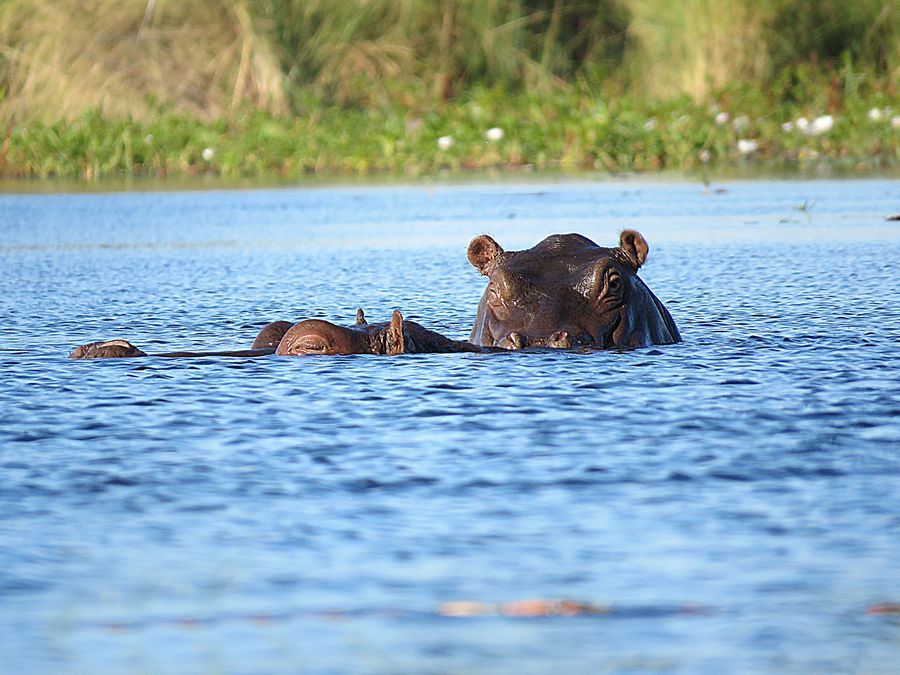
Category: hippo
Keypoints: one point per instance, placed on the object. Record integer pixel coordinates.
(312, 336)
(565, 292)
(568, 292)
(396, 336)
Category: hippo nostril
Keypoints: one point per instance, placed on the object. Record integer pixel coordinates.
(560, 340)
(512, 341)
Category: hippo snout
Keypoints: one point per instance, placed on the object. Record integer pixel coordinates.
(557, 340)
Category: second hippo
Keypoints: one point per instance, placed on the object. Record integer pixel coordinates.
(313, 336)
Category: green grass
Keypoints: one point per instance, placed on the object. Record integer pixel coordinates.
(285, 88)
(570, 130)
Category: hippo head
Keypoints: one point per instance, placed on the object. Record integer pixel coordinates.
(567, 292)
(110, 349)
(396, 336)
(315, 336)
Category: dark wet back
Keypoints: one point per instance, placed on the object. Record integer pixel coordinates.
(310, 514)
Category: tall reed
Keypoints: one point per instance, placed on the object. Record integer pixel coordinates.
(865, 33)
(132, 57)
(209, 58)
(696, 46)
(357, 48)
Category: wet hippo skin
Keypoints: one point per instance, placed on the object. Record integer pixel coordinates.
(271, 334)
(568, 292)
(564, 292)
(312, 336)
(396, 336)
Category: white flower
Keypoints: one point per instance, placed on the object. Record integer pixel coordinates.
(740, 122)
(874, 114)
(895, 122)
(148, 139)
(747, 146)
(802, 124)
(650, 124)
(494, 134)
(820, 125)
(208, 154)
(704, 156)
(787, 127)
(722, 118)
(445, 142)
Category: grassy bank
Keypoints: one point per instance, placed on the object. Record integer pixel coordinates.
(574, 131)
(409, 87)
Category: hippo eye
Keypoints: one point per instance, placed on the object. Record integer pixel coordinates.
(313, 343)
(608, 286)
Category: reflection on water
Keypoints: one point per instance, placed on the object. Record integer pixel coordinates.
(285, 514)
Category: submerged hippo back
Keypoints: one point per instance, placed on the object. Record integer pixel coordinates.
(567, 291)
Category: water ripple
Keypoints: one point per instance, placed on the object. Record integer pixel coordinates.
(752, 468)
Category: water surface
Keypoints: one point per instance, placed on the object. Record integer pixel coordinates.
(734, 499)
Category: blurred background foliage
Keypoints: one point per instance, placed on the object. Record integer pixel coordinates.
(293, 87)
(209, 58)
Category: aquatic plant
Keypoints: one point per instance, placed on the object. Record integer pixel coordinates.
(289, 87)
(572, 131)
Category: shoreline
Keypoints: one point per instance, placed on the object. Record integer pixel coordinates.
(746, 171)
(486, 134)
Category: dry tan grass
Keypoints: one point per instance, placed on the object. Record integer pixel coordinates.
(433, 45)
(207, 58)
(133, 57)
(697, 46)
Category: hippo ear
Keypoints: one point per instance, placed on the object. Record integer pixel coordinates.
(395, 343)
(360, 317)
(271, 334)
(634, 246)
(483, 250)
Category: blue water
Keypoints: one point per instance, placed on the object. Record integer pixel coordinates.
(734, 499)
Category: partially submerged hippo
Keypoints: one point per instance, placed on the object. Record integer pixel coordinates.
(312, 336)
(396, 336)
(565, 292)
(568, 292)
